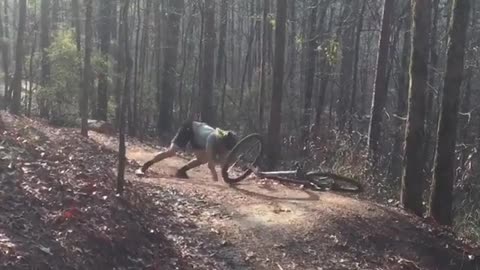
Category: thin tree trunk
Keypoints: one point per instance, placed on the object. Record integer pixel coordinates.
(347, 32)
(169, 79)
(358, 34)
(325, 69)
(395, 169)
(123, 46)
(251, 37)
(310, 73)
(44, 44)
(143, 65)
(263, 78)
(5, 57)
(222, 41)
(207, 72)
(87, 72)
(431, 113)
(31, 76)
(441, 200)
(413, 163)
(132, 123)
(76, 23)
(15, 105)
(380, 88)
(274, 127)
(104, 33)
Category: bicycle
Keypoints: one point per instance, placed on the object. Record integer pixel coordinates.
(244, 163)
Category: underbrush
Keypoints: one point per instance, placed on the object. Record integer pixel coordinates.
(348, 155)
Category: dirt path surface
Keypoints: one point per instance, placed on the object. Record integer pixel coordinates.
(265, 225)
(58, 210)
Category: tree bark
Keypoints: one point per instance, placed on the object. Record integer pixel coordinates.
(380, 87)
(431, 112)
(124, 47)
(5, 59)
(222, 41)
(104, 36)
(441, 200)
(15, 105)
(207, 72)
(169, 77)
(325, 68)
(348, 18)
(264, 59)
(395, 169)
(413, 164)
(76, 23)
(309, 72)
(45, 40)
(356, 58)
(87, 72)
(31, 75)
(273, 148)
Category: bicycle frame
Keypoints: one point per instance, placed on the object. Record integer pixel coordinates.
(281, 175)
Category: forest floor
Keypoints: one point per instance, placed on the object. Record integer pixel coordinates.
(58, 210)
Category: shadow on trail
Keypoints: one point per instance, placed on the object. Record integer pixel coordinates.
(393, 239)
(63, 213)
(310, 195)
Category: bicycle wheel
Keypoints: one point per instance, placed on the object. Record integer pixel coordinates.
(242, 158)
(334, 182)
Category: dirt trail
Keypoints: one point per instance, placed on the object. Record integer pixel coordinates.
(272, 226)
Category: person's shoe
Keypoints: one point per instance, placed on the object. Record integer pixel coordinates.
(181, 174)
(139, 172)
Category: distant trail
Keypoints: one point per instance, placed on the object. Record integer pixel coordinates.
(277, 227)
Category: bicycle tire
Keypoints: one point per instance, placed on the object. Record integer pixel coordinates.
(338, 182)
(236, 150)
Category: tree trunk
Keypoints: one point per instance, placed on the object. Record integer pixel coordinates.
(31, 75)
(76, 23)
(273, 149)
(310, 72)
(123, 46)
(87, 72)
(358, 34)
(413, 164)
(325, 68)
(346, 66)
(222, 41)
(104, 35)
(441, 199)
(44, 44)
(380, 88)
(431, 112)
(263, 78)
(143, 65)
(169, 79)
(251, 36)
(15, 105)
(5, 59)
(133, 117)
(395, 169)
(55, 14)
(207, 72)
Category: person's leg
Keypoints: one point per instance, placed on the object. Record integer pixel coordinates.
(170, 152)
(182, 172)
(199, 160)
(180, 141)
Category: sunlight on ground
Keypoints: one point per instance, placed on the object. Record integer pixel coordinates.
(6, 245)
(272, 214)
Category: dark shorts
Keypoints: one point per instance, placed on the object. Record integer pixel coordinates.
(184, 135)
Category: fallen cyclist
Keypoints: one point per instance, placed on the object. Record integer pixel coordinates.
(210, 145)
